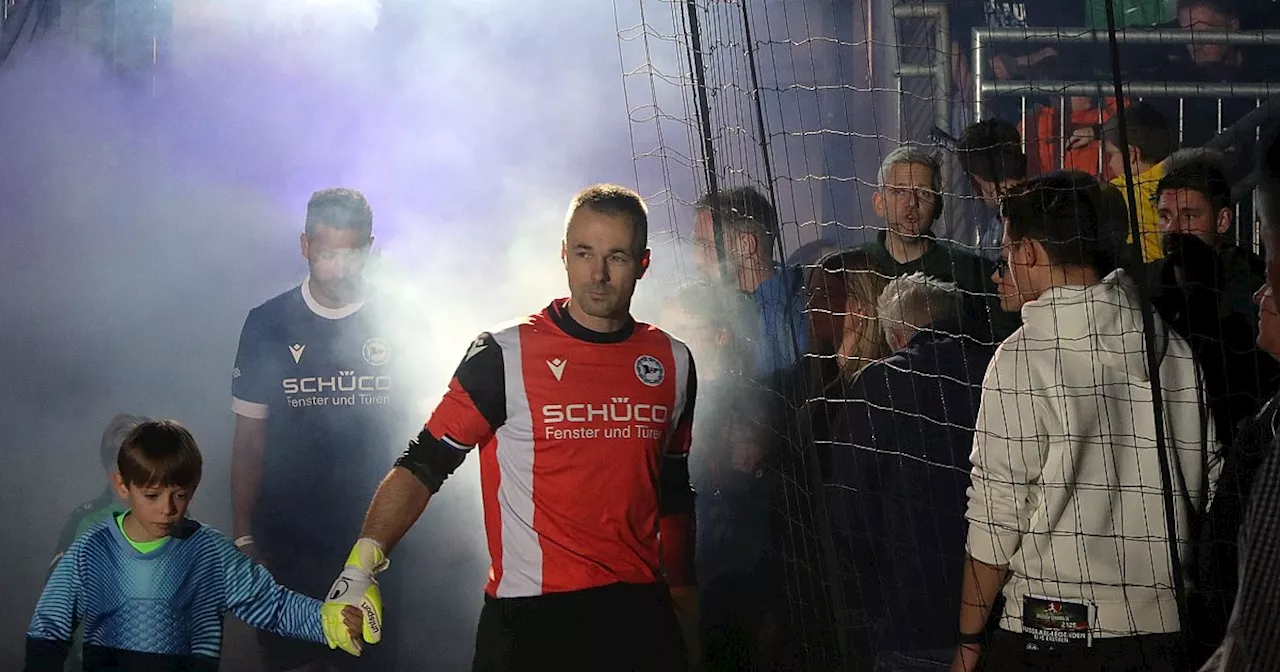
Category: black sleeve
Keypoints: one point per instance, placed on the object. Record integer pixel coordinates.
(675, 492)
(251, 379)
(474, 407)
(44, 655)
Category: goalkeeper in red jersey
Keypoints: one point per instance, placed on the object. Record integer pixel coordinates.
(582, 418)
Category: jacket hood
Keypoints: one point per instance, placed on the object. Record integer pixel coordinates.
(1102, 320)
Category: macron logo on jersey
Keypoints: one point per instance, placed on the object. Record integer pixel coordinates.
(296, 350)
(476, 346)
(557, 367)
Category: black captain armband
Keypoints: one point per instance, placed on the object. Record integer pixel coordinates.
(675, 495)
(431, 460)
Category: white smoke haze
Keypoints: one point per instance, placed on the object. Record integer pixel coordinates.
(142, 222)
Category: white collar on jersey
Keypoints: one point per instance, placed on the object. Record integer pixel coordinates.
(327, 313)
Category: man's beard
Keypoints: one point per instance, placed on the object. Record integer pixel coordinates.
(348, 290)
(607, 305)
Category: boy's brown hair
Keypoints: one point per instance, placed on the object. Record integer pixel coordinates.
(1147, 129)
(160, 453)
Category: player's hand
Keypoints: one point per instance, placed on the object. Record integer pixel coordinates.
(341, 624)
(685, 601)
(357, 587)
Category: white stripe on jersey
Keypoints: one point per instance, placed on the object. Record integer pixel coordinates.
(679, 353)
(521, 551)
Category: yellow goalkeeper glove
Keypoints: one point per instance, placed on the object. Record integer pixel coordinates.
(341, 623)
(356, 586)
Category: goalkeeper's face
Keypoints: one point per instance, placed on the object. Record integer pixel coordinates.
(603, 262)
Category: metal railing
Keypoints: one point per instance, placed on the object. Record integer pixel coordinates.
(940, 68)
(984, 85)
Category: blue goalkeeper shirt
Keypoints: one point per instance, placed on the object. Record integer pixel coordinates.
(161, 610)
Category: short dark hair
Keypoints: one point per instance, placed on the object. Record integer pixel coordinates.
(616, 201)
(1226, 8)
(1198, 170)
(340, 208)
(1061, 211)
(743, 207)
(1146, 128)
(113, 437)
(992, 150)
(160, 453)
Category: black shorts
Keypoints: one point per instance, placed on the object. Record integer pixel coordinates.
(616, 628)
(311, 571)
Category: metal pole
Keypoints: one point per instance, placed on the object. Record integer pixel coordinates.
(1139, 270)
(942, 66)
(699, 76)
(978, 43)
(940, 70)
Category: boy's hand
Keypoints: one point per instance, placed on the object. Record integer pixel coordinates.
(342, 627)
(356, 587)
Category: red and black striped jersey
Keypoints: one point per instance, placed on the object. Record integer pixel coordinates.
(574, 428)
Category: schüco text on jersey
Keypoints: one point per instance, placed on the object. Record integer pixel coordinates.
(619, 419)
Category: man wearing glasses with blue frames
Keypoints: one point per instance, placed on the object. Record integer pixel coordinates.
(320, 400)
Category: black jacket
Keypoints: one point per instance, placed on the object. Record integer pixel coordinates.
(901, 464)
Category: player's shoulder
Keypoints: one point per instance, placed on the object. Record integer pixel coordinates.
(95, 540)
(645, 332)
(282, 304)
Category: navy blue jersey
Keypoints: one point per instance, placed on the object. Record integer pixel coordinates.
(335, 389)
(161, 610)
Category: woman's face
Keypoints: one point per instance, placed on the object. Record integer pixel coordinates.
(827, 305)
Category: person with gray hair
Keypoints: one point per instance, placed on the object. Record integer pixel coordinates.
(910, 303)
(909, 199)
(900, 468)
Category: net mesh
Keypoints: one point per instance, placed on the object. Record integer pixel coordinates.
(1085, 472)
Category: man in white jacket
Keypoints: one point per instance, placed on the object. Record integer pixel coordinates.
(1066, 509)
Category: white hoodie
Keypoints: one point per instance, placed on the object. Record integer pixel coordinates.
(1066, 480)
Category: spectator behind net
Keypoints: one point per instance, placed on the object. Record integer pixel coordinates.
(1063, 455)
(1202, 117)
(910, 201)
(1204, 286)
(901, 467)
(732, 473)
(749, 224)
(990, 153)
(1204, 289)
(1253, 641)
(1150, 143)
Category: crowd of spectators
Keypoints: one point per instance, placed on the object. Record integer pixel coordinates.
(1035, 449)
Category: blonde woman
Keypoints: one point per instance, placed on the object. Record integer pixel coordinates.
(841, 295)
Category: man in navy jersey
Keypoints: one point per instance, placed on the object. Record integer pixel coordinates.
(581, 419)
(320, 401)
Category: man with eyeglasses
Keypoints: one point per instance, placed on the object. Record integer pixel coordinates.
(909, 200)
(1065, 464)
(320, 400)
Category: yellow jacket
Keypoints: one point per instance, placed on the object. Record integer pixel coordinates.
(1144, 190)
